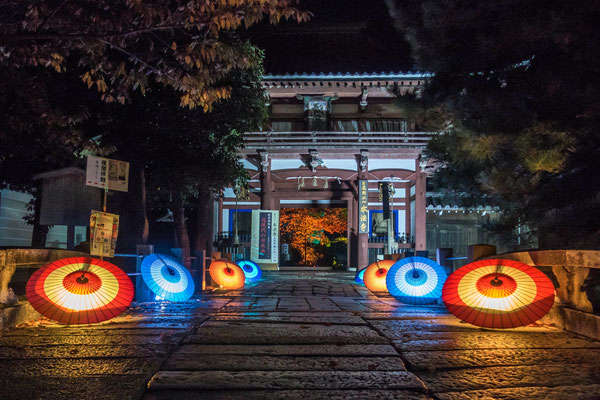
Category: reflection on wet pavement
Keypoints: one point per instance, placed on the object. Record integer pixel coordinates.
(301, 335)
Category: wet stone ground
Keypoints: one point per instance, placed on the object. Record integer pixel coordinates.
(294, 336)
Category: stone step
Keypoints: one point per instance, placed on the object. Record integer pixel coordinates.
(286, 395)
(221, 332)
(286, 318)
(184, 362)
(375, 350)
(256, 380)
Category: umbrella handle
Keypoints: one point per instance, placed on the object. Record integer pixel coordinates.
(84, 270)
(170, 268)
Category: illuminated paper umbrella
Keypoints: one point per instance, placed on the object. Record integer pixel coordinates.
(227, 274)
(375, 274)
(416, 280)
(360, 276)
(167, 278)
(79, 290)
(251, 270)
(498, 294)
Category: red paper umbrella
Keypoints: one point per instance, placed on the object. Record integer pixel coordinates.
(498, 294)
(79, 290)
(227, 274)
(375, 274)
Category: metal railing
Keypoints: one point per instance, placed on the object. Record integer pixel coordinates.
(398, 237)
(333, 139)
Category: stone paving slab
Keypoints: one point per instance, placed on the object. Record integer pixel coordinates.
(401, 313)
(251, 380)
(77, 351)
(111, 387)
(514, 376)
(287, 395)
(58, 332)
(375, 350)
(183, 362)
(497, 340)
(423, 325)
(408, 336)
(579, 392)
(220, 332)
(168, 337)
(77, 367)
(439, 360)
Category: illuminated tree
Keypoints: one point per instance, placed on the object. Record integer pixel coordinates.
(307, 226)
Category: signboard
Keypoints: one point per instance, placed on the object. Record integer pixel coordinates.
(104, 228)
(265, 236)
(107, 174)
(363, 206)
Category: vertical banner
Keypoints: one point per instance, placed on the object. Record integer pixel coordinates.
(104, 228)
(265, 236)
(363, 206)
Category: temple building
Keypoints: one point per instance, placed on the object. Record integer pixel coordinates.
(335, 130)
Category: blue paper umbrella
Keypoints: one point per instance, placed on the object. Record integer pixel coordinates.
(360, 275)
(167, 278)
(251, 270)
(416, 280)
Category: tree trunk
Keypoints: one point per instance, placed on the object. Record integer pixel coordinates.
(204, 221)
(134, 227)
(182, 232)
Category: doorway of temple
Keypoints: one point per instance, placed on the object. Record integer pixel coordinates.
(314, 237)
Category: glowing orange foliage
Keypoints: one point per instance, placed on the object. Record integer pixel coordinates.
(311, 225)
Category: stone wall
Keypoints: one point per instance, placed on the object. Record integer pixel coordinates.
(15, 265)
(576, 277)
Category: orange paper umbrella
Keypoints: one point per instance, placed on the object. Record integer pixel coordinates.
(79, 290)
(498, 294)
(227, 274)
(375, 274)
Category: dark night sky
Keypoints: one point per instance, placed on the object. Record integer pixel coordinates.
(344, 36)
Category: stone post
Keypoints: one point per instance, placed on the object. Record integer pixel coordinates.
(478, 251)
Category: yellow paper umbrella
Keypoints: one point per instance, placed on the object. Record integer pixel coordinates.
(375, 275)
(227, 274)
(498, 293)
(79, 290)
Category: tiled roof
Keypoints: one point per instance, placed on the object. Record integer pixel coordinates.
(350, 76)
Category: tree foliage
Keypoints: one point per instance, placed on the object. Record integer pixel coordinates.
(307, 226)
(119, 49)
(515, 99)
(121, 46)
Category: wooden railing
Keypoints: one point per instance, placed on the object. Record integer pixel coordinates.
(332, 139)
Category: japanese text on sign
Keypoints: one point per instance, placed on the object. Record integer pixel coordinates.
(265, 236)
(104, 228)
(107, 174)
(363, 206)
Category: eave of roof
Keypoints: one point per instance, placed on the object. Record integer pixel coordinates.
(350, 76)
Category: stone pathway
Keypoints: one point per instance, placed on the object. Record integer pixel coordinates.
(295, 336)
